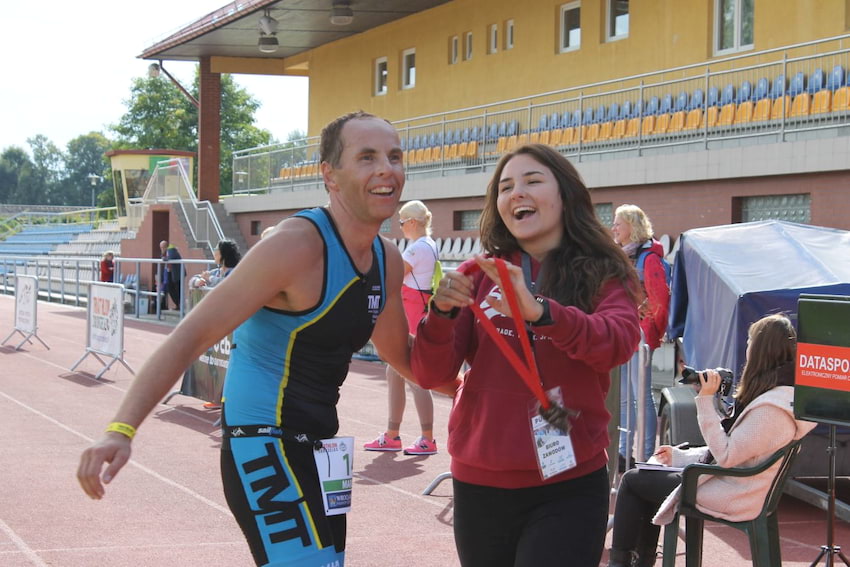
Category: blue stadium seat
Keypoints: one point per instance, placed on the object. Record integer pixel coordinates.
(576, 119)
(761, 89)
(696, 100)
(513, 128)
(493, 132)
(474, 134)
(681, 102)
(543, 123)
(403, 144)
(728, 95)
(464, 137)
(651, 107)
(588, 117)
(503, 129)
(836, 78)
(625, 110)
(713, 97)
(815, 81)
(796, 86)
(666, 104)
(637, 109)
(744, 92)
(777, 89)
(566, 120)
(555, 121)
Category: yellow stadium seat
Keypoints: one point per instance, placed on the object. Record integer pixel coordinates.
(710, 118)
(555, 138)
(544, 137)
(648, 125)
(693, 119)
(436, 153)
(522, 139)
(841, 100)
(471, 150)
(534, 138)
(662, 123)
(822, 102)
(780, 105)
(512, 143)
(569, 136)
(761, 112)
(677, 122)
(502, 145)
(632, 127)
(619, 129)
(744, 113)
(589, 134)
(605, 131)
(801, 105)
(727, 115)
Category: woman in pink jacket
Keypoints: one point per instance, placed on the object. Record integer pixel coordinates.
(763, 403)
(523, 497)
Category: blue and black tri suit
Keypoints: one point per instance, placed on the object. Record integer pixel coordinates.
(280, 395)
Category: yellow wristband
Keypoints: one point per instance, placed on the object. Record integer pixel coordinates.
(123, 428)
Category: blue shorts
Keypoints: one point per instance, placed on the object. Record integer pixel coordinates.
(272, 488)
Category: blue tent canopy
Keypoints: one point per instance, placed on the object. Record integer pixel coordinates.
(726, 277)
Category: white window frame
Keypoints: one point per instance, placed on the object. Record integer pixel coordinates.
(509, 34)
(454, 49)
(493, 34)
(407, 81)
(562, 36)
(611, 24)
(737, 46)
(376, 86)
(467, 46)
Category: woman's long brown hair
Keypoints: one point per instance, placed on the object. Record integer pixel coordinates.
(773, 342)
(587, 256)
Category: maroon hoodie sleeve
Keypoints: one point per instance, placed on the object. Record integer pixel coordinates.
(603, 339)
(439, 348)
(654, 323)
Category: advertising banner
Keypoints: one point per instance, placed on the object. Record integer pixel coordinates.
(205, 378)
(822, 380)
(26, 303)
(106, 319)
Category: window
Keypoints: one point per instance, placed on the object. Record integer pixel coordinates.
(494, 39)
(467, 48)
(255, 227)
(793, 208)
(380, 76)
(618, 20)
(733, 26)
(570, 27)
(509, 34)
(453, 49)
(466, 220)
(408, 68)
(605, 213)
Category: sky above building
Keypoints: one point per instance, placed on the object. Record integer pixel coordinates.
(69, 66)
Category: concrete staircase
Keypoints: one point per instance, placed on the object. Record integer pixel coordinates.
(230, 227)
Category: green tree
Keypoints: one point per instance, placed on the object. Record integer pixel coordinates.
(15, 164)
(85, 162)
(45, 186)
(160, 116)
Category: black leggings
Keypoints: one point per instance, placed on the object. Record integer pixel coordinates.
(529, 527)
(640, 494)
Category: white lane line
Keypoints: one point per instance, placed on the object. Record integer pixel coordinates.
(21, 544)
(114, 387)
(151, 472)
(431, 501)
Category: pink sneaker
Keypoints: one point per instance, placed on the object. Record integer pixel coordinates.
(422, 447)
(384, 443)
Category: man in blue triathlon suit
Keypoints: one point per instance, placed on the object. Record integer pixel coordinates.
(304, 299)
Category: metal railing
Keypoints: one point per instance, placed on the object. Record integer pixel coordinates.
(634, 114)
(169, 183)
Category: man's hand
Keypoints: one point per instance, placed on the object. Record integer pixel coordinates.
(112, 448)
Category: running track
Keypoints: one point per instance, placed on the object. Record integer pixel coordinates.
(166, 507)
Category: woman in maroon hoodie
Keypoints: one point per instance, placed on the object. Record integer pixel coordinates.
(516, 500)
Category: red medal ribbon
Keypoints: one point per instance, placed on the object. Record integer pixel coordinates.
(527, 370)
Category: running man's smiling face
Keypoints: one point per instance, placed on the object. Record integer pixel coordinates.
(370, 175)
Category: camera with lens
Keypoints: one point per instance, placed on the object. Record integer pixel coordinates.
(691, 376)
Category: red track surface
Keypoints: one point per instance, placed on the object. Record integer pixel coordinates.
(166, 508)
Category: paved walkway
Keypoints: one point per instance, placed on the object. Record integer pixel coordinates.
(166, 508)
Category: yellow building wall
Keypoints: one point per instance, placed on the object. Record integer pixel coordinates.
(662, 34)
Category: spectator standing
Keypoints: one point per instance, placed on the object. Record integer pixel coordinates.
(420, 257)
(577, 296)
(632, 230)
(107, 266)
(761, 423)
(171, 273)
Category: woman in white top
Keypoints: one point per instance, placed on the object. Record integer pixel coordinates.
(419, 258)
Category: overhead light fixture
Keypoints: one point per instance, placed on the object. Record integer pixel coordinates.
(341, 13)
(268, 30)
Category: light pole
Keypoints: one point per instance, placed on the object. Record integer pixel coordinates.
(95, 179)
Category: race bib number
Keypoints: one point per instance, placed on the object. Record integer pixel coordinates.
(335, 463)
(552, 445)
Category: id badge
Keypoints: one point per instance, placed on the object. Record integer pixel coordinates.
(334, 463)
(553, 446)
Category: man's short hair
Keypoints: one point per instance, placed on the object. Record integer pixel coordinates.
(330, 146)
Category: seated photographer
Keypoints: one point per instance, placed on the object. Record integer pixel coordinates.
(763, 403)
